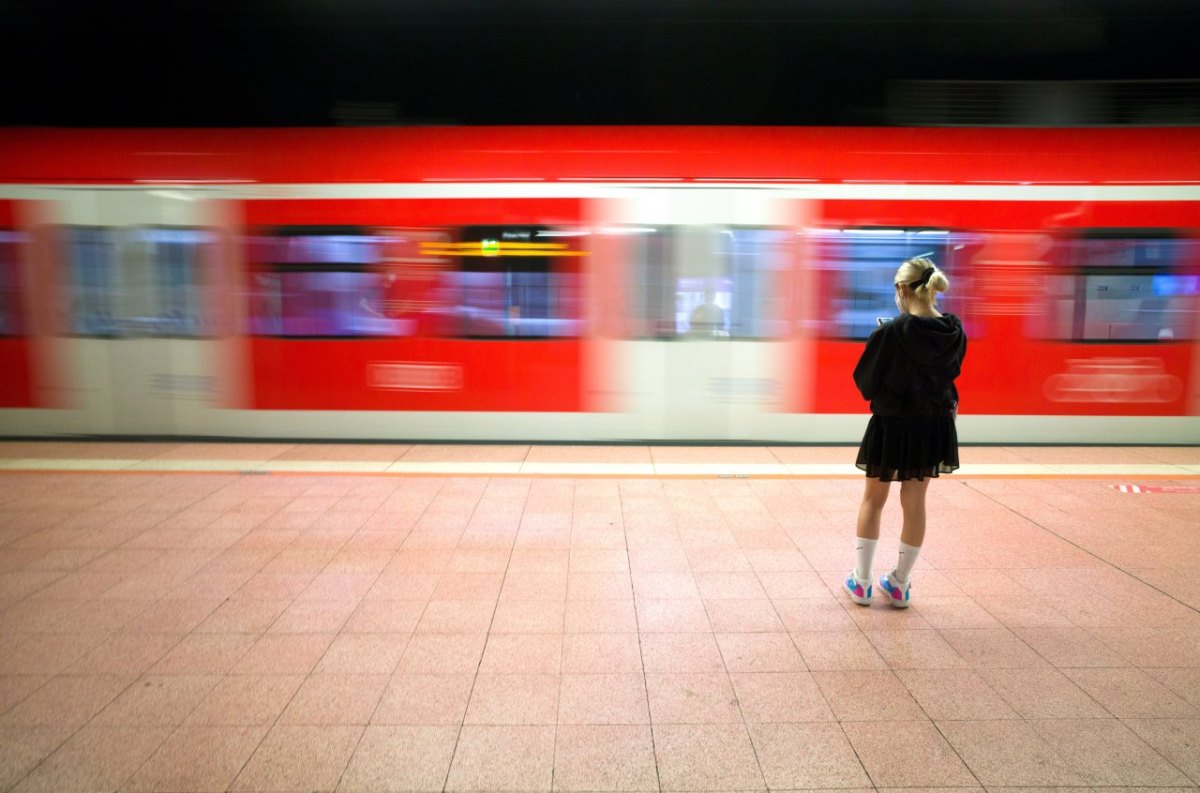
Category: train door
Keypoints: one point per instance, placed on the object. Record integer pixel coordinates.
(707, 280)
(138, 281)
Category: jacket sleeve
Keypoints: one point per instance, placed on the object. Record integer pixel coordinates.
(872, 366)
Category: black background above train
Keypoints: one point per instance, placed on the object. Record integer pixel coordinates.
(300, 62)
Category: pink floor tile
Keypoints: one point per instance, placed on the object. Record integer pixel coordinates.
(907, 754)
(1131, 693)
(540, 560)
(157, 700)
(807, 756)
(514, 699)
(706, 757)
(1174, 739)
(692, 699)
(603, 699)
(479, 560)
(198, 759)
(1042, 694)
(48, 653)
(759, 652)
(456, 616)
(528, 616)
(995, 648)
(204, 653)
(503, 758)
(401, 758)
(598, 653)
(1070, 647)
(1184, 683)
(335, 699)
(385, 616)
(363, 653)
(772, 697)
(1008, 753)
(284, 653)
(522, 653)
(66, 701)
(1107, 752)
(534, 586)
(14, 688)
(442, 654)
(300, 757)
(837, 651)
(23, 748)
(95, 759)
(914, 649)
(599, 586)
(681, 653)
(743, 616)
(245, 700)
(244, 615)
(593, 757)
(954, 695)
(672, 616)
(867, 696)
(429, 699)
(664, 586)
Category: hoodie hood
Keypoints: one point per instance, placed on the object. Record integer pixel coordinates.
(935, 343)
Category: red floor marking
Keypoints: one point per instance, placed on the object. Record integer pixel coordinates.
(1155, 489)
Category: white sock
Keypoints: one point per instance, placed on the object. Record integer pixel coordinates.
(908, 557)
(864, 552)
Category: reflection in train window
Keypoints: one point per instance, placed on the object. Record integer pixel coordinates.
(857, 267)
(324, 281)
(1123, 285)
(708, 282)
(12, 313)
(516, 281)
(92, 281)
(479, 282)
(138, 281)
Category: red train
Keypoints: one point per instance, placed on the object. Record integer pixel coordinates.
(703, 284)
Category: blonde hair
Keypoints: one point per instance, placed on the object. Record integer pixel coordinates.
(913, 270)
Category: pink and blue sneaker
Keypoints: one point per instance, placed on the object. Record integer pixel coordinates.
(859, 589)
(898, 593)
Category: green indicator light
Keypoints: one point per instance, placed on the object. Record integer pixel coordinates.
(490, 247)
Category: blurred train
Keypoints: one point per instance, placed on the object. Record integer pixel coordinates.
(589, 284)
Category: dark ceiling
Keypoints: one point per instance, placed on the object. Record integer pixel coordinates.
(317, 62)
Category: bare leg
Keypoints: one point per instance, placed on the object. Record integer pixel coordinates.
(912, 501)
(874, 497)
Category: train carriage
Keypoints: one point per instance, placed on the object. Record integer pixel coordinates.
(588, 284)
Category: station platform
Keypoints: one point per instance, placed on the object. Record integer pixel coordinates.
(297, 617)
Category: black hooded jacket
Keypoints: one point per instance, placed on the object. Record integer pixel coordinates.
(910, 364)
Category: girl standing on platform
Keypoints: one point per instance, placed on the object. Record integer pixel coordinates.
(907, 372)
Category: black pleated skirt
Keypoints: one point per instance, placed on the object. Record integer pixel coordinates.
(899, 449)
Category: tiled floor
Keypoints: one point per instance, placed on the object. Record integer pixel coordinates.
(545, 618)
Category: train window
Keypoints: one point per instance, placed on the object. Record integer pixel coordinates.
(857, 267)
(477, 282)
(1123, 285)
(92, 281)
(12, 314)
(512, 282)
(319, 281)
(137, 281)
(708, 282)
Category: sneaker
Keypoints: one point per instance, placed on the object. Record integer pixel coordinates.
(898, 593)
(859, 589)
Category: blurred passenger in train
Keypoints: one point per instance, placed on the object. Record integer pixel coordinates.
(907, 372)
(708, 318)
